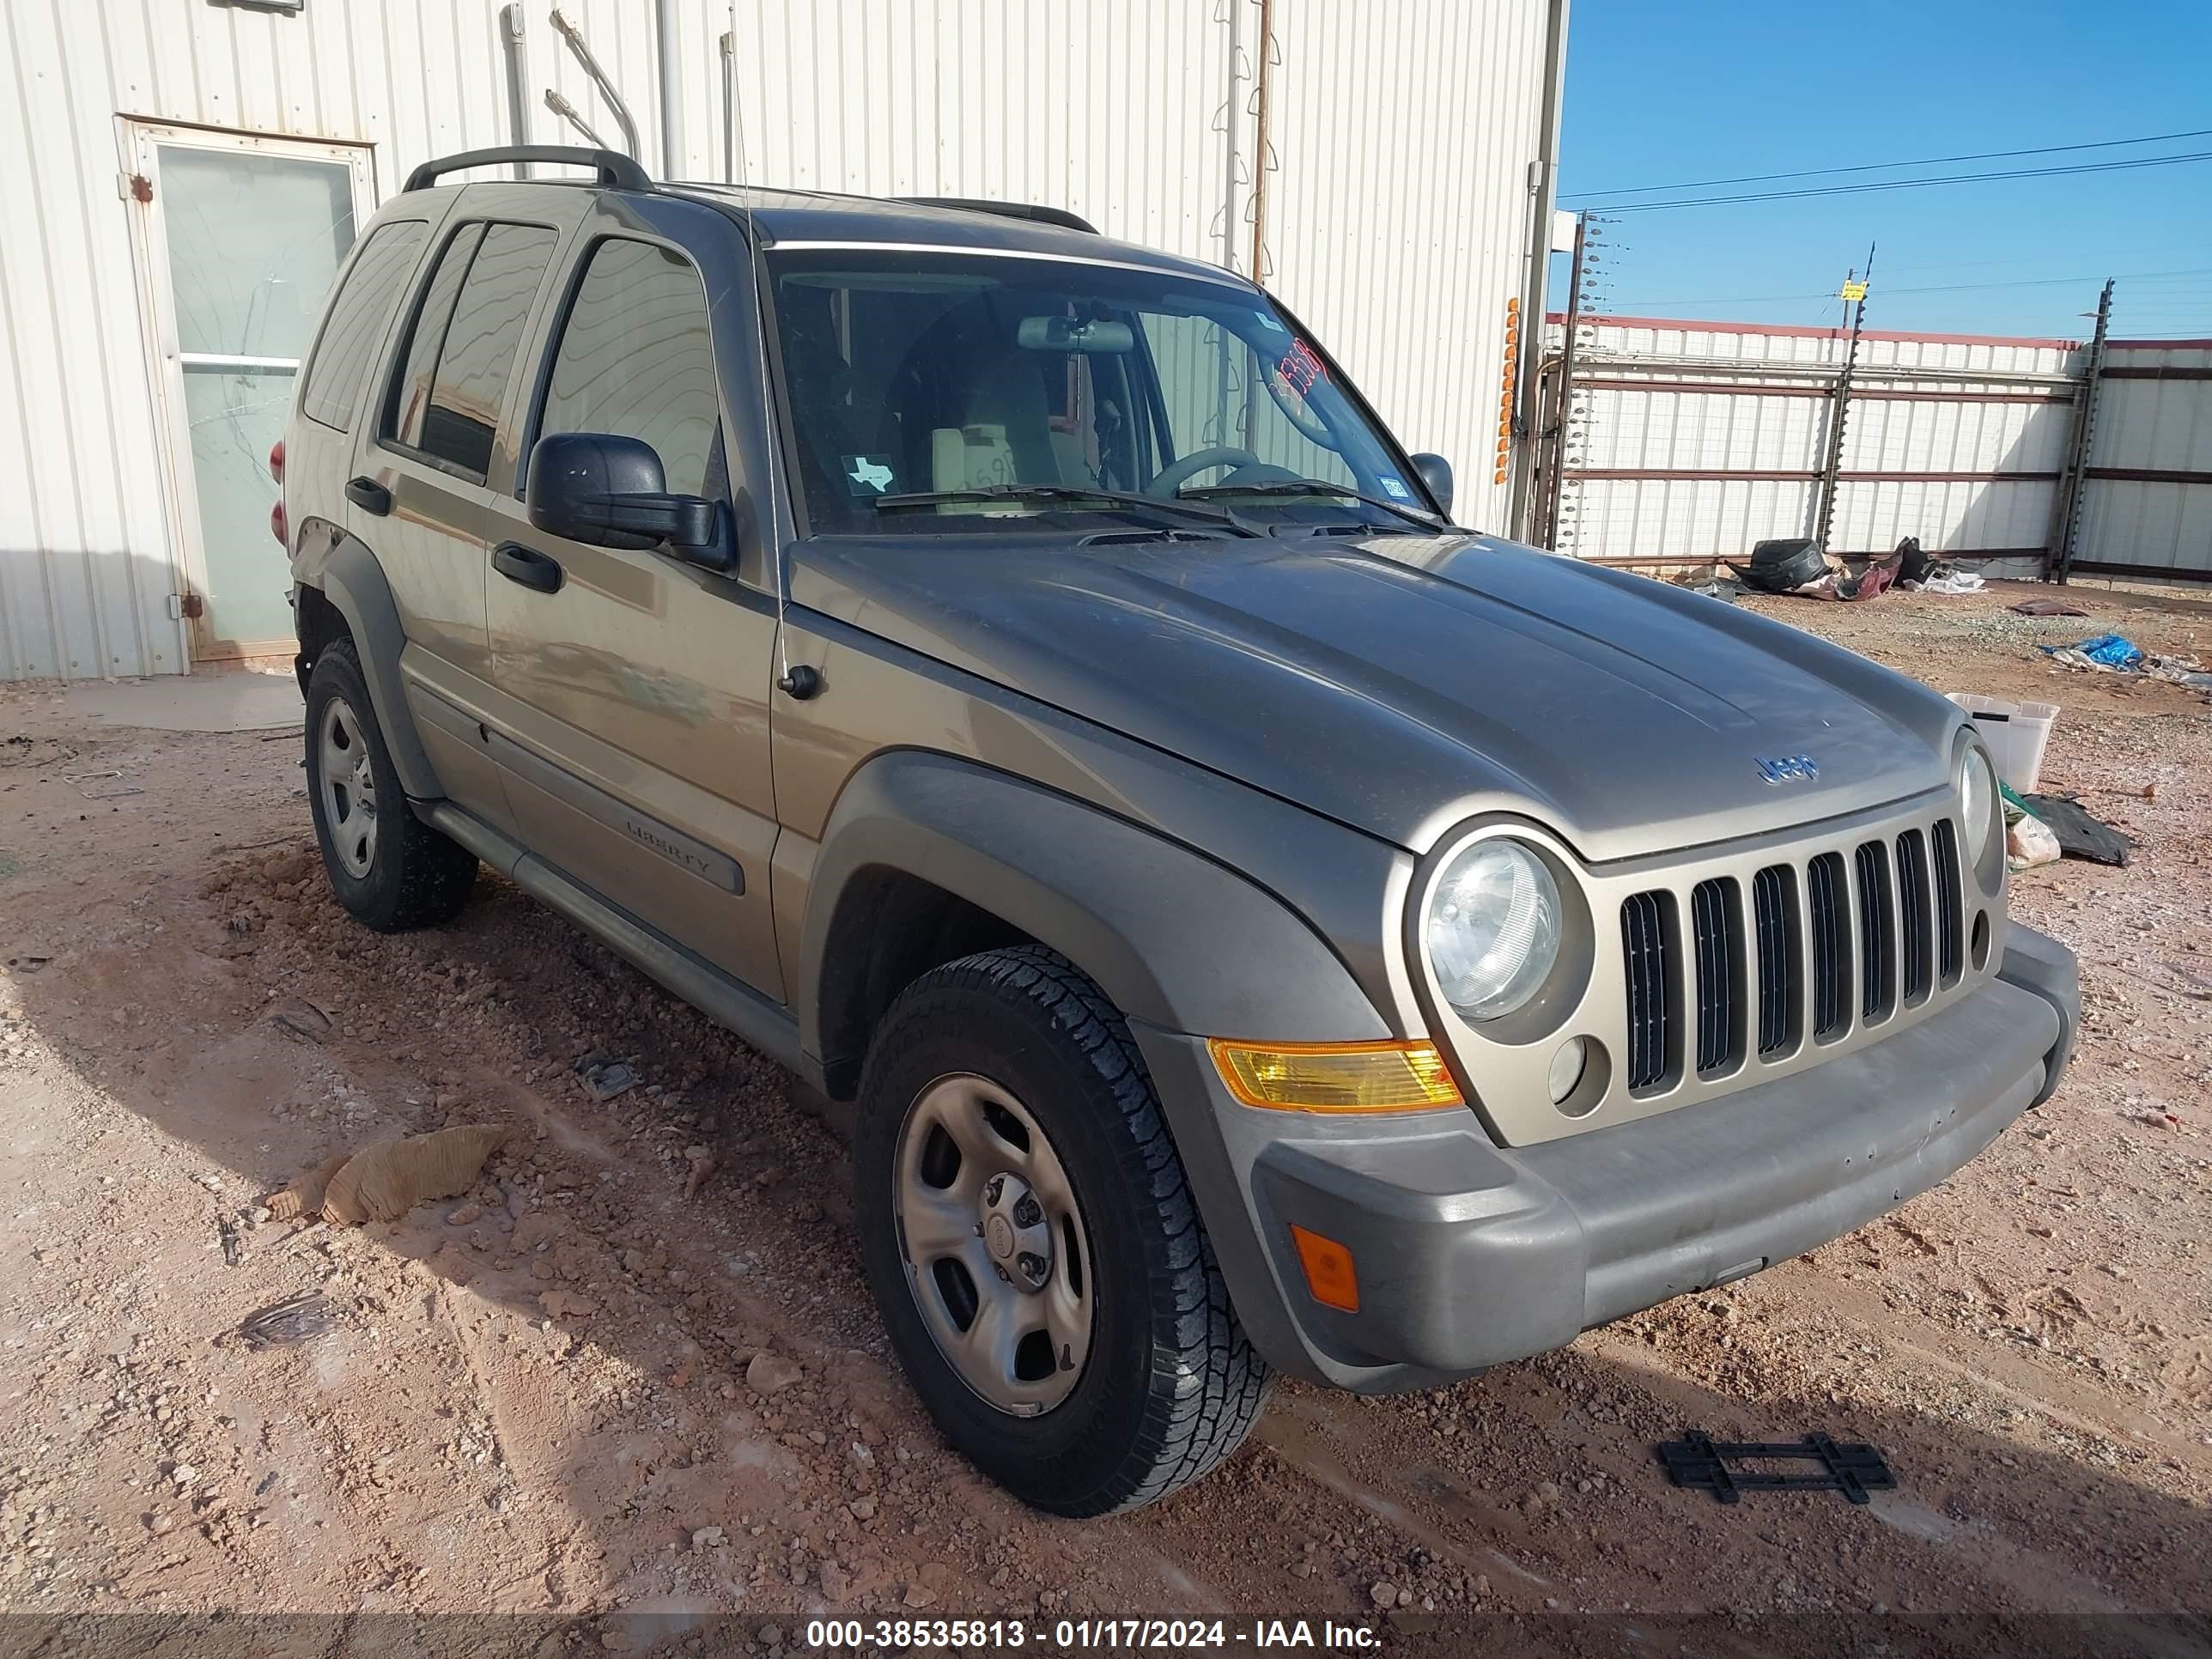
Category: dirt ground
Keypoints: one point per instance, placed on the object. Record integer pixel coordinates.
(545, 1398)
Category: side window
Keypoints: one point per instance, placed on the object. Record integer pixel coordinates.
(478, 359)
(410, 388)
(354, 325)
(635, 357)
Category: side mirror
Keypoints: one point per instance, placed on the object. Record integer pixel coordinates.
(609, 490)
(1435, 472)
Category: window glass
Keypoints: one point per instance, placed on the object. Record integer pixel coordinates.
(937, 376)
(635, 358)
(1205, 371)
(410, 391)
(358, 317)
(478, 358)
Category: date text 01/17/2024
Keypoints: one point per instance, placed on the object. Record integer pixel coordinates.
(1085, 1635)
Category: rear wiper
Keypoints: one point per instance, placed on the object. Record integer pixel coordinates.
(1311, 486)
(1064, 493)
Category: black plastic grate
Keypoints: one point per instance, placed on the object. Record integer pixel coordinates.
(1645, 947)
(1950, 915)
(1716, 927)
(1824, 908)
(1774, 928)
(1916, 915)
(1877, 932)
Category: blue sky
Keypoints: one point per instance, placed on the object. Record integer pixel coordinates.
(1668, 93)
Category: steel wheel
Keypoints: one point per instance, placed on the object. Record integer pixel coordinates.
(994, 1244)
(348, 787)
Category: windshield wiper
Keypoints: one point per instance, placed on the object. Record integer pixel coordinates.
(1311, 486)
(1064, 493)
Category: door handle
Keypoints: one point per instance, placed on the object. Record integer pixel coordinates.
(369, 496)
(528, 566)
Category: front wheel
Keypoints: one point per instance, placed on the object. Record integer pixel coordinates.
(1033, 1243)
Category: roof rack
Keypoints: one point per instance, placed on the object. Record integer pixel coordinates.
(1043, 215)
(616, 171)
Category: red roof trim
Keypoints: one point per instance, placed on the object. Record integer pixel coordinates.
(1798, 330)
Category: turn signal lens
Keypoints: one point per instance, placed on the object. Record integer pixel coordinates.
(1337, 1077)
(1328, 1271)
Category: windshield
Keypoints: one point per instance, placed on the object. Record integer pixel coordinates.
(998, 391)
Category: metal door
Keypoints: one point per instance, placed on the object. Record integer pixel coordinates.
(238, 237)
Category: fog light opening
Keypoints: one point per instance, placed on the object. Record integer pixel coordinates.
(1581, 1074)
(1567, 1067)
(1981, 941)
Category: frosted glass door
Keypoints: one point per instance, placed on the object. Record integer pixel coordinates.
(252, 240)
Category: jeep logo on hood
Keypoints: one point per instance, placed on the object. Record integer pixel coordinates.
(1788, 768)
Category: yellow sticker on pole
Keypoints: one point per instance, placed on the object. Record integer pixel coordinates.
(1854, 291)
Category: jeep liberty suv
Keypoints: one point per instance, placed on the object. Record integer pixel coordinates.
(1012, 678)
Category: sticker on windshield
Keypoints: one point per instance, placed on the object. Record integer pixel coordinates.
(867, 474)
(1394, 487)
(1299, 368)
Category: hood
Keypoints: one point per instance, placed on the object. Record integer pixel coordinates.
(1400, 684)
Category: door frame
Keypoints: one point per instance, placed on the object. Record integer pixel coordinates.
(137, 139)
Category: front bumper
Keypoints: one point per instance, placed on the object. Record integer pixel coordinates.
(1468, 1255)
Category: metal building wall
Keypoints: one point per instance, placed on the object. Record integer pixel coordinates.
(1397, 201)
(2147, 493)
(1692, 440)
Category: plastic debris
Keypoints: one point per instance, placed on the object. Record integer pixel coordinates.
(2110, 652)
(2079, 834)
(1851, 1468)
(2028, 840)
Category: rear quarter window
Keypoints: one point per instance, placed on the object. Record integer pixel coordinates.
(354, 325)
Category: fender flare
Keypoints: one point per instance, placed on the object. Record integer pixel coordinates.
(353, 581)
(1174, 938)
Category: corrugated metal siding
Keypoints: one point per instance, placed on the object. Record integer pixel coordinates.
(2151, 425)
(1397, 219)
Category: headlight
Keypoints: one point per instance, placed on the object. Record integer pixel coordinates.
(1977, 802)
(1493, 928)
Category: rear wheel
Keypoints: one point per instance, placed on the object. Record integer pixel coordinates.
(1034, 1245)
(389, 868)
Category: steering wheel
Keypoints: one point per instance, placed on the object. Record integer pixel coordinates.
(1180, 472)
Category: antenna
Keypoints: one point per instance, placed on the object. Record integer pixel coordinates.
(805, 680)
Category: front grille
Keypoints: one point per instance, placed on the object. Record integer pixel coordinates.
(1646, 949)
(1877, 933)
(1914, 915)
(1949, 930)
(1776, 937)
(1717, 930)
(1886, 916)
(1832, 963)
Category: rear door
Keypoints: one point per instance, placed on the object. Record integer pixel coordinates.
(418, 497)
(634, 703)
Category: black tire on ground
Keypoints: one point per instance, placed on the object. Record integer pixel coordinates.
(415, 878)
(1171, 1386)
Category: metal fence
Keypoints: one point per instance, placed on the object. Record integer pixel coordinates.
(1680, 442)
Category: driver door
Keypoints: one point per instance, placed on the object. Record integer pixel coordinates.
(633, 687)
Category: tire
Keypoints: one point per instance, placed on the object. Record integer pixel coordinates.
(388, 868)
(1169, 1386)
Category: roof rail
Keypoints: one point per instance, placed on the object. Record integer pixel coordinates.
(1043, 215)
(616, 170)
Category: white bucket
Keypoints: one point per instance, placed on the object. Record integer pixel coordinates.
(2015, 732)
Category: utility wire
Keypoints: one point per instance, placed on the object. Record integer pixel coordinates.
(1905, 183)
(1944, 288)
(1880, 166)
